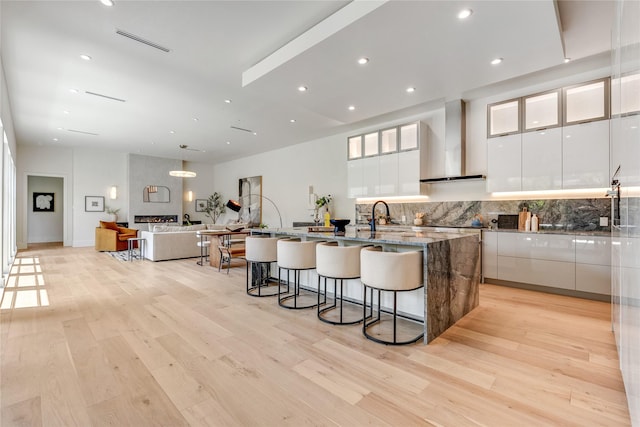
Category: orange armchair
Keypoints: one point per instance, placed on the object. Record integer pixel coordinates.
(110, 237)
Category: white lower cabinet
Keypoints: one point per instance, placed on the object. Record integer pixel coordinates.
(572, 262)
(556, 274)
(490, 254)
(593, 264)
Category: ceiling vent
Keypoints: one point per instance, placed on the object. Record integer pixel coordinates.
(104, 96)
(82, 131)
(242, 129)
(141, 40)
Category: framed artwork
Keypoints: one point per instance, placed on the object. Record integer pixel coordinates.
(43, 202)
(93, 204)
(250, 197)
(201, 205)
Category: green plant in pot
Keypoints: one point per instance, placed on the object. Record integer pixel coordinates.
(113, 212)
(215, 207)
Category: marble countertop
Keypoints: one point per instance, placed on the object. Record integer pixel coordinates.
(395, 237)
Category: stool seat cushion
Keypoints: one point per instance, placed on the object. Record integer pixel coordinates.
(340, 262)
(392, 271)
(296, 255)
(261, 249)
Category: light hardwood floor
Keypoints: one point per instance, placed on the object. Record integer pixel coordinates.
(88, 340)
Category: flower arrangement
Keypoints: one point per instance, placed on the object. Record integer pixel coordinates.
(112, 211)
(323, 201)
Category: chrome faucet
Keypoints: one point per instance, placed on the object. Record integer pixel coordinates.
(372, 223)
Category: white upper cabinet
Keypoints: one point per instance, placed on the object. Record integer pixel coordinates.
(542, 111)
(625, 150)
(504, 163)
(585, 155)
(389, 141)
(409, 173)
(388, 175)
(586, 102)
(542, 160)
(355, 179)
(354, 147)
(371, 144)
(503, 118)
(625, 95)
(388, 162)
(409, 137)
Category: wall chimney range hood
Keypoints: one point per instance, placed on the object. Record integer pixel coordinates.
(454, 145)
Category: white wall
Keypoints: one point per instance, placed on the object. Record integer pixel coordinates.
(93, 174)
(202, 186)
(85, 172)
(45, 226)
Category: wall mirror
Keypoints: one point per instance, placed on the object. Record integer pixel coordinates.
(155, 194)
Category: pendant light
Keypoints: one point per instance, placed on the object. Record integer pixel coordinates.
(183, 173)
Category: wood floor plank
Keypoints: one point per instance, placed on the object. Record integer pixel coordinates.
(173, 344)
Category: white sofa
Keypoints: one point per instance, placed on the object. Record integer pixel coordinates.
(172, 242)
(167, 242)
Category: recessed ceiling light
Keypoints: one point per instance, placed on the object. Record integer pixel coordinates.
(228, 101)
(411, 89)
(363, 60)
(107, 2)
(74, 90)
(60, 128)
(55, 139)
(195, 119)
(292, 120)
(496, 61)
(302, 88)
(228, 142)
(567, 60)
(65, 112)
(85, 57)
(172, 132)
(464, 13)
(352, 107)
(255, 133)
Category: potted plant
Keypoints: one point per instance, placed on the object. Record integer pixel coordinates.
(215, 206)
(113, 212)
(321, 202)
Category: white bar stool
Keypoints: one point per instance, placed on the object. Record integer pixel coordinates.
(297, 256)
(337, 263)
(389, 272)
(204, 244)
(260, 252)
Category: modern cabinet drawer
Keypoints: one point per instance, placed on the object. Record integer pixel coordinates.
(551, 247)
(593, 250)
(537, 272)
(490, 255)
(593, 278)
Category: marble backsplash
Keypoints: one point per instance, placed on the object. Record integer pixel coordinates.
(554, 214)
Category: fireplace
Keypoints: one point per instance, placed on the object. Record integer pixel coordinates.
(144, 219)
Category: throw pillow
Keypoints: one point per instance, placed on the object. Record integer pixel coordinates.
(109, 225)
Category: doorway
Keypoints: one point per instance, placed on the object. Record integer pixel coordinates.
(45, 210)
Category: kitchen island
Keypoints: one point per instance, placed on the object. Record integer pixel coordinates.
(451, 266)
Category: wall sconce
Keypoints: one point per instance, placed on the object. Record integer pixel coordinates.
(113, 192)
(189, 196)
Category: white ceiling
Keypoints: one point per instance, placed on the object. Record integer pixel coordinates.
(212, 43)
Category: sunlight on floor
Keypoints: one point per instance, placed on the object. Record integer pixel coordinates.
(25, 285)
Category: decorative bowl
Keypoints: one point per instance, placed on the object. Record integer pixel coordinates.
(339, 224)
